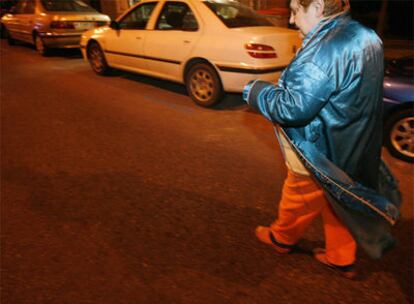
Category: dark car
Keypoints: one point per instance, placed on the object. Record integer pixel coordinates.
(399, 108)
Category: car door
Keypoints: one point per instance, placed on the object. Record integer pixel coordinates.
(124, 46)
(12, 20)
(26, 20)
(175, 33)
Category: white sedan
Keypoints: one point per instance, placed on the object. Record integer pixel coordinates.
(212, 46)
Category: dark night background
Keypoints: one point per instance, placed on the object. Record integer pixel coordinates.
(399, 20)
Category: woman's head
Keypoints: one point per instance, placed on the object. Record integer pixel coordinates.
(332, 7)
(306, 14)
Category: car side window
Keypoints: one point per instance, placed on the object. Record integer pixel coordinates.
(176, 16)
(138, 18)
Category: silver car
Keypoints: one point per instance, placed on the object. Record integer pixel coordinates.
(50, 23)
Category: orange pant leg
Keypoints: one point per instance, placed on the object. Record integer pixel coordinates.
(340, 245)
(302, 201)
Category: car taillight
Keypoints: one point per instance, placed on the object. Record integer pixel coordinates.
(257, 50)
(62, 25)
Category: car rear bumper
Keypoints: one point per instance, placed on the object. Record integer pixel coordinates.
(234, 79)
(58, 40)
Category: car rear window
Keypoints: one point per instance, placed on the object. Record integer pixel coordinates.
(234, 14)
(66, 6)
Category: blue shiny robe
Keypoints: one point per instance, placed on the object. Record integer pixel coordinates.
(328, 102)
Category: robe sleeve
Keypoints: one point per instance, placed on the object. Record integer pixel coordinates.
(296, 99)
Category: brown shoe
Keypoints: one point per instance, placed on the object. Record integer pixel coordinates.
(347, 271)
(265, 235)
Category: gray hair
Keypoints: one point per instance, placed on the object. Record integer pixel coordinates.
(332, 7)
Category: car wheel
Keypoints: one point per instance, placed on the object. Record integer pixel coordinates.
(399, 135)
(97, 59)
(40, 45)
(203, 85)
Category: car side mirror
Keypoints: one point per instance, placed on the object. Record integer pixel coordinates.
(114, 25)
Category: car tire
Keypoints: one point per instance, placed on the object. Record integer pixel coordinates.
(97, 60)
(40, 45)
(3, 32)
(203, 84)
(10, 40)
(399, 135)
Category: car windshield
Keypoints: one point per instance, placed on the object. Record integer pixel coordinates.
(234, 14)
(66, 6)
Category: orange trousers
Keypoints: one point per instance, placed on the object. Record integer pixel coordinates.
(302, 201)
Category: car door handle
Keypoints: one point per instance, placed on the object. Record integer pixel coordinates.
(187, 41)
(138, 38)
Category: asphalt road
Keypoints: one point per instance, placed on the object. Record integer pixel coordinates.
(121, 190)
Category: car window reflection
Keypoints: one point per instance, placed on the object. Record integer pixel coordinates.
(177, 16)
(138, 18)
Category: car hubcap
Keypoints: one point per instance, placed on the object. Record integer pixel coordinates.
(202, 85)
(402, 136)
(96, 59)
